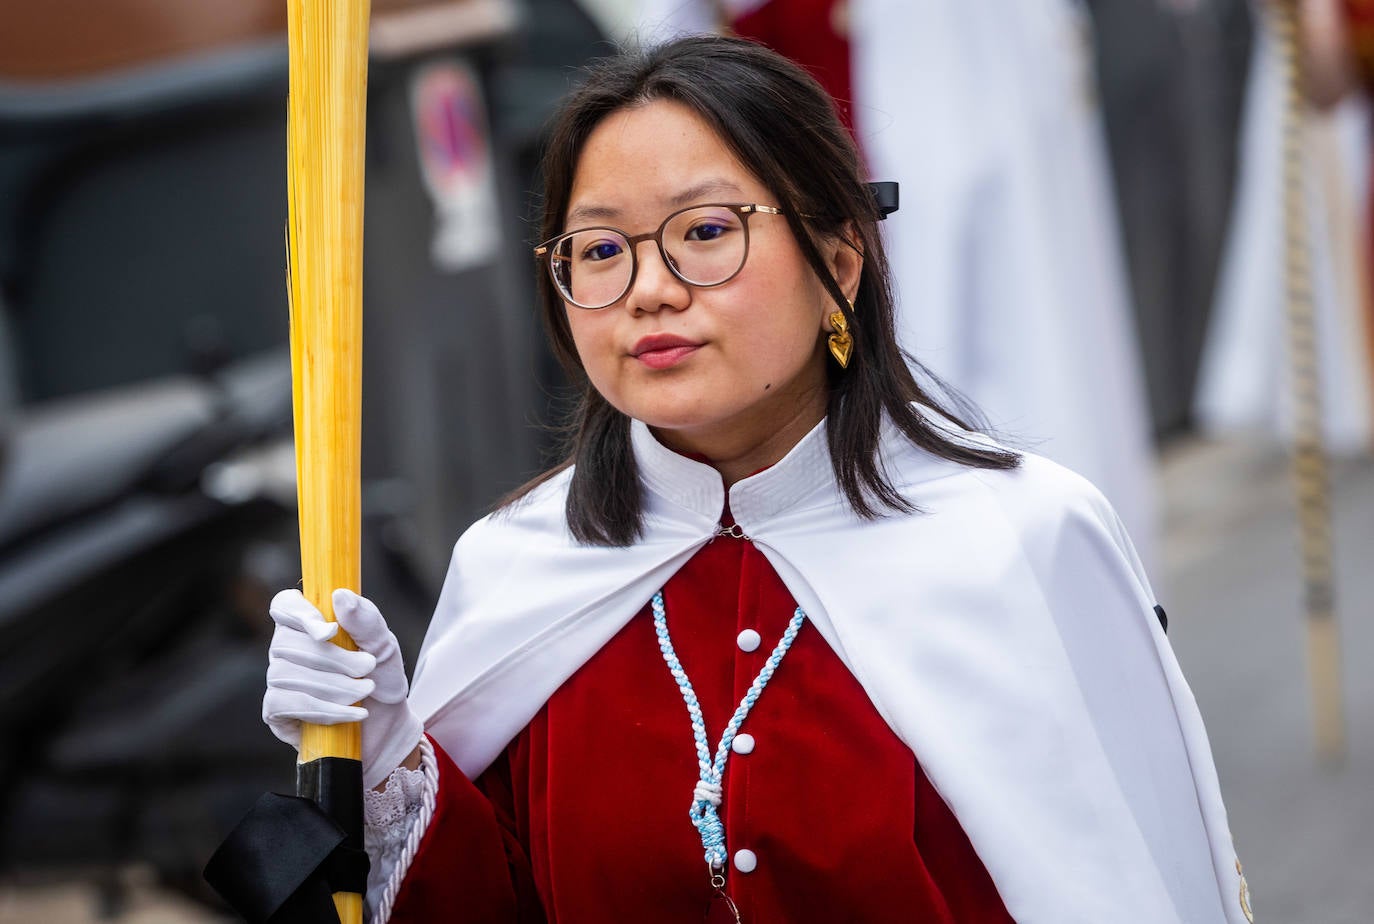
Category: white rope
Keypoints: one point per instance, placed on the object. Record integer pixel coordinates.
(415, 835)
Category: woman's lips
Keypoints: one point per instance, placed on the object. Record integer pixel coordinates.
(660, 351)
(662, 359)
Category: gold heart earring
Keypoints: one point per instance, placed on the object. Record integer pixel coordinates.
(841, 342)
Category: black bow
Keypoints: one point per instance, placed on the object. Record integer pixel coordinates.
(282, 863)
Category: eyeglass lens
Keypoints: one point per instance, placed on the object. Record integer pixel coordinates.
(704, 246)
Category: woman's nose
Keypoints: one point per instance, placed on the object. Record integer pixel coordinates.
(655, 286)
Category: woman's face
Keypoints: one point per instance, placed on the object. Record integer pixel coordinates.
(720, 370)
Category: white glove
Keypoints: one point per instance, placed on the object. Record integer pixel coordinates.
(310, 679)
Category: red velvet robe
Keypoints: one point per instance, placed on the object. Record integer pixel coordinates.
(584, 818)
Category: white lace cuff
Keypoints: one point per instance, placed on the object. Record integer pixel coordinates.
(388, 812)
(395, 821)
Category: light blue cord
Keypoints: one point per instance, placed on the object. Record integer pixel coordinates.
(707, 795)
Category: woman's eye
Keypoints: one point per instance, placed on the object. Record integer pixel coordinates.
(603, 250)
(706, 231)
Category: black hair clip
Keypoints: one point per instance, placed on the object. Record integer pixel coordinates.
(884, 197)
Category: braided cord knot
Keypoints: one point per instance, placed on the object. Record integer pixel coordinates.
(710, 793)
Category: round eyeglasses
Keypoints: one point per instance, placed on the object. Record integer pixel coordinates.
(703, 245)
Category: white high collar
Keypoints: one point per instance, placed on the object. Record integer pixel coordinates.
(670, 477)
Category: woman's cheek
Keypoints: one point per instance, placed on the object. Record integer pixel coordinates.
(591, 350)
(607, 376)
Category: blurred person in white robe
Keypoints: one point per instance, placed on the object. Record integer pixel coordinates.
(1006, 251)
(1008, 257)
(1244, 384)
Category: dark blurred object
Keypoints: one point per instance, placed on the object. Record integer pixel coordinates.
(129, 610)
(1172, 78)
(138, 217)
(153, 189)
(144, 400)
(458, 382)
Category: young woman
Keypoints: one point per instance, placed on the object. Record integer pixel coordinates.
(781, 639)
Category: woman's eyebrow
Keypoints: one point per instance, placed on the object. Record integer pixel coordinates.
(695, 193)
(699, 191)
(591, 213)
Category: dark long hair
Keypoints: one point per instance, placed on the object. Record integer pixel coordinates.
(783, 127)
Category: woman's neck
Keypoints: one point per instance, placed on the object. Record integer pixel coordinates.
(743, 448)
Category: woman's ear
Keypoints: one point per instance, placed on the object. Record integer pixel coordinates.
(844, 258)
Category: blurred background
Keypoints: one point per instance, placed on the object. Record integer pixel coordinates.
(1091, 247)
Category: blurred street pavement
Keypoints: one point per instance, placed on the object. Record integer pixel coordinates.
(1230, 583)
(74, 899)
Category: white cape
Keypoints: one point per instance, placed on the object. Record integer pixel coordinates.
(1005, 633)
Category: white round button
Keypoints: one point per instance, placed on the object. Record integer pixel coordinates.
(742, 744)
(749, 640)
(746, 861)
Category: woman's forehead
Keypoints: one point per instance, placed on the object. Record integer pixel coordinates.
(711, 189)
(658, 156)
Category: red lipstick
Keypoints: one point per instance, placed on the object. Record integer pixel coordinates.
(660, 351)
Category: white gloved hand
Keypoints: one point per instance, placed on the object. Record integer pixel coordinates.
(310, 679)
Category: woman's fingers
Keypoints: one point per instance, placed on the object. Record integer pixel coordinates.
(356, 615)
(291, 610)
(363, 622)
(297, 648)
(322, 685)
(285, 710)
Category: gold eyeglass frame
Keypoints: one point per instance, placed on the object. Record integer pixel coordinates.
(743, 210)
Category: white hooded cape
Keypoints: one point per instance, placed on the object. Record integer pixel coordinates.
(1005, 632)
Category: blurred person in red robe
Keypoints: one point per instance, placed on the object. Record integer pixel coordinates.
(1338, 57)
(781, 638)
(1337, 46)
(1339, 52)
(814, 33)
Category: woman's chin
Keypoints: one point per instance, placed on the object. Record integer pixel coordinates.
(669, 427)
(680, 413)
(682, 433)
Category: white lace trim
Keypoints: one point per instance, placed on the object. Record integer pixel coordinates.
(403, 794)
(396, 820)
